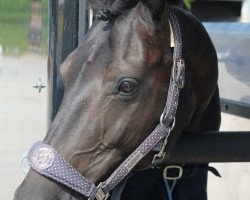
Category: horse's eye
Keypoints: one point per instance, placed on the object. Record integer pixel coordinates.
(128, 86)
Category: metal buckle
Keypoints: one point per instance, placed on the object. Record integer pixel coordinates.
(100, 194)
(179, 64)
(167, 177)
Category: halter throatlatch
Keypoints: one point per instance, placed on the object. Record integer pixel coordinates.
(46, 161)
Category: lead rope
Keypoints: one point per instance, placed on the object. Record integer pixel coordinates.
(169, 189)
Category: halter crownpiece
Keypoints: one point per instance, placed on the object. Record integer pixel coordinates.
(46, 161)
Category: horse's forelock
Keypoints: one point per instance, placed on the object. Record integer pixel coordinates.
(115, 7)
(151, 9)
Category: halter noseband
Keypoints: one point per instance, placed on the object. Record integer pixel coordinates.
(46, 161)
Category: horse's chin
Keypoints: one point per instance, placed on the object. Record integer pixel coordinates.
(37, 187)
(43, 194)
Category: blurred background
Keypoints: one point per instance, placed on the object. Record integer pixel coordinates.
(23, 60)
(25, 113)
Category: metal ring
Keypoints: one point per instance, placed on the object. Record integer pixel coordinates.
(161, 119)
(173, 178)
(173, 125)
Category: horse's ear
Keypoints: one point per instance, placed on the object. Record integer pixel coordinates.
(157, 7)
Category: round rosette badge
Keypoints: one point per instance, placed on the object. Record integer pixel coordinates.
(43, 158)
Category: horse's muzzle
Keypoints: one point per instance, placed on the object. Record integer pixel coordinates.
(42, 194)
(34, 193)
(37, 187)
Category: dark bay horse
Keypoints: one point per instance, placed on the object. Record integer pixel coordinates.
(116, 86)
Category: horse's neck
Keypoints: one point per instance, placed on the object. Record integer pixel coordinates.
(201, 60)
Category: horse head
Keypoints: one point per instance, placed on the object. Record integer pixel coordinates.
(116, 85)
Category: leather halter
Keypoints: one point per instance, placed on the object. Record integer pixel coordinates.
(46, 161)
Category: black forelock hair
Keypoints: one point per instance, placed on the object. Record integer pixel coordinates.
(115, 6)
(106, 9)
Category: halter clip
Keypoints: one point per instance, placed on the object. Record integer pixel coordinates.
(101, 194)
(159, 157)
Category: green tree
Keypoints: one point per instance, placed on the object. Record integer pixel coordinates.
(14, 20)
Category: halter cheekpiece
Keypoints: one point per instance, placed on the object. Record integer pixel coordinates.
(46, 161)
